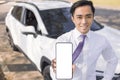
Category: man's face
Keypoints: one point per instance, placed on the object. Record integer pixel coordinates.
(82, 18)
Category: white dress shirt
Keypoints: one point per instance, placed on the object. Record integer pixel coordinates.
(94, 46)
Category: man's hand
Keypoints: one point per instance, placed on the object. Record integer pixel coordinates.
(53, 64)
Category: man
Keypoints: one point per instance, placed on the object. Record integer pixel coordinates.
(84, 66)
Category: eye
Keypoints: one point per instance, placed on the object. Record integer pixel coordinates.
(79, 17)
(89, 16)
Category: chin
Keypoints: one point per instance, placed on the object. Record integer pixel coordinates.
(84, 31)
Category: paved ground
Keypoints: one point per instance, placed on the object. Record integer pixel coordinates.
(109, 17)
(16, 66)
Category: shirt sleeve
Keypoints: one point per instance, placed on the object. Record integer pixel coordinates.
(112, 60)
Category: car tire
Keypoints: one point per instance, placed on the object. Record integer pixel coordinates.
(99, 77)
(46, 73)
(118, 78)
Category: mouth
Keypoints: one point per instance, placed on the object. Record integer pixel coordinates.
(84, 27)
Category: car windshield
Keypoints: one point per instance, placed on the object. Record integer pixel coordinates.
(58, 21)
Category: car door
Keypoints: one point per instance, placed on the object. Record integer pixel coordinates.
(32, 49)
(29, 21)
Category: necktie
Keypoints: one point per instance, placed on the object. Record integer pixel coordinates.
(78, 49)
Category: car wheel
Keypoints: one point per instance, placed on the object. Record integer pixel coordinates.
(99, 77)
(46, 73)
(118, 78)
(11, 41)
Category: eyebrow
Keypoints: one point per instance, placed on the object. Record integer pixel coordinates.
(85, 15)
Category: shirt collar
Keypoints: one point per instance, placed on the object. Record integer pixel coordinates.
(77, 34)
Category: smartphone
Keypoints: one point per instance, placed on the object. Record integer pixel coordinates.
(64, 60)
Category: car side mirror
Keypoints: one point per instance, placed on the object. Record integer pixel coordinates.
(28, 30)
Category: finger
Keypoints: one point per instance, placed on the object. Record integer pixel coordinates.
(54, 65)
(54, 70)
(73, 67)
(53, 62)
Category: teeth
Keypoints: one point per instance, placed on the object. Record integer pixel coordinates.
(84, 26)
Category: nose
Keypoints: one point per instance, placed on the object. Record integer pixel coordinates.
(84, 21)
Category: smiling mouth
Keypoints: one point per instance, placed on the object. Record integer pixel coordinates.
(84, 27)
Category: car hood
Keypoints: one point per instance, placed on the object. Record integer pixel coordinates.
(113, 35)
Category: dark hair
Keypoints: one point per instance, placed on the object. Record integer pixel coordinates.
(82, 3)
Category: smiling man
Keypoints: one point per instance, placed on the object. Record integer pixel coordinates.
(84, 65)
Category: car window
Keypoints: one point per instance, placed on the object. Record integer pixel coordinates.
(30, 19)
(96, 26)
(57, 21)
(17, 12)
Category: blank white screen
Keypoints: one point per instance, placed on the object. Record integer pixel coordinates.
(64, 60)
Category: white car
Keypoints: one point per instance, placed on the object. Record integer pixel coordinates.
(34, 26)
